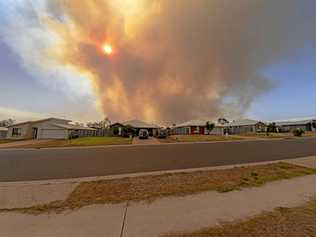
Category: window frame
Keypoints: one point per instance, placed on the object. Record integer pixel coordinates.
(16, 132)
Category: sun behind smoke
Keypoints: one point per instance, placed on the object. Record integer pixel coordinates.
(107, 48)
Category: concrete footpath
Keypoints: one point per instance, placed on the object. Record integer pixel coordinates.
(172, 214)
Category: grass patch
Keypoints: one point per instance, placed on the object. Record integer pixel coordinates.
(3, 141)
(269, 135)
(200, 138)
(148, 188)
(277, 135)
(294, 222)
(309, 134)
(83, 141)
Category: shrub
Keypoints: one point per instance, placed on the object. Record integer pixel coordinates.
(298, 132)
(272, 128)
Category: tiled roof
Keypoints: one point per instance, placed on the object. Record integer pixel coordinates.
(242, 122)
(196, 122)
(293, 123)
(39, 121)
(139, 124)
(73, 127)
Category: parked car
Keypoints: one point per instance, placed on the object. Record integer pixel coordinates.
(162, 134)
(143, 134)
(73, 135)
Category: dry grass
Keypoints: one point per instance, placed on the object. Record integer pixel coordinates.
(2, 141)
(269, 135)
(210, 138)
(278, 135)
(200, 138)
(148, 188)
(283, 222)
(309, 134)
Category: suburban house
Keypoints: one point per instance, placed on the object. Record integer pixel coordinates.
(191, 127)
(290, 126)
(3, 132)
(245, 126)
(199, 127)
(138, 125)
(117, 129)
(50, 128)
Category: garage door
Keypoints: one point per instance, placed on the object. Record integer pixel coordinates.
(53, 134)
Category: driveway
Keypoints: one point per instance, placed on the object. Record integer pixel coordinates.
(39, 164)
(149, 141)
(22, 143)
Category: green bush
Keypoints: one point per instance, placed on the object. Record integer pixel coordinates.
(298, 132)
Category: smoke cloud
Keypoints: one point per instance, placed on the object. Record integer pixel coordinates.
(176, 60)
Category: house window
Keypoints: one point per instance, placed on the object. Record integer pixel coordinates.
(16, 132)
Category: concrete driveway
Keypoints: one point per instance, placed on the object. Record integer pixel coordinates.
(22, 143)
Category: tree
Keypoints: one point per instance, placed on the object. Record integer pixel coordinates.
(209, 126)
(272, 127)
(105, 123)
(7, 122)
(298, 132)
(222, 121)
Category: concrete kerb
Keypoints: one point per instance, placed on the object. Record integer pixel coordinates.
(298, 161)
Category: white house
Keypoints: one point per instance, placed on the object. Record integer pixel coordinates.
(3, 132)
(289, 126)
(138, 124)
(245, 126)
(192, 127)
(50, 128)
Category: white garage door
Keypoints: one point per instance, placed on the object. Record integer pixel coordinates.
(53, 134)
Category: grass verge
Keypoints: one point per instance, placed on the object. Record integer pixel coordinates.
(277, 135)
(283, 222)
(2, 141)
(200, 138)
(83, 141)
(148, 188)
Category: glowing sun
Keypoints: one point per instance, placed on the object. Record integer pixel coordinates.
(107, 48)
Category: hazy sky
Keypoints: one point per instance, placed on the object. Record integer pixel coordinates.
(172, 67)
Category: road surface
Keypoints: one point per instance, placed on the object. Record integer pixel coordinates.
(23, 165)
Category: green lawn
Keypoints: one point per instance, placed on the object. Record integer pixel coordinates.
(84, 141)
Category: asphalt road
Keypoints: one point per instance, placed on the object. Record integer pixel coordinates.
(22, 165)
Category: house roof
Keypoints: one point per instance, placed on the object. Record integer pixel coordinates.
(139, 124)
(293, 123)
(73, 127)
(196, 122)
(242, 122)
(3, 129)
(39, 121)
(117, 124)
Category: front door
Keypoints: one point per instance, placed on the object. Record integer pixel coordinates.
(35, 133)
